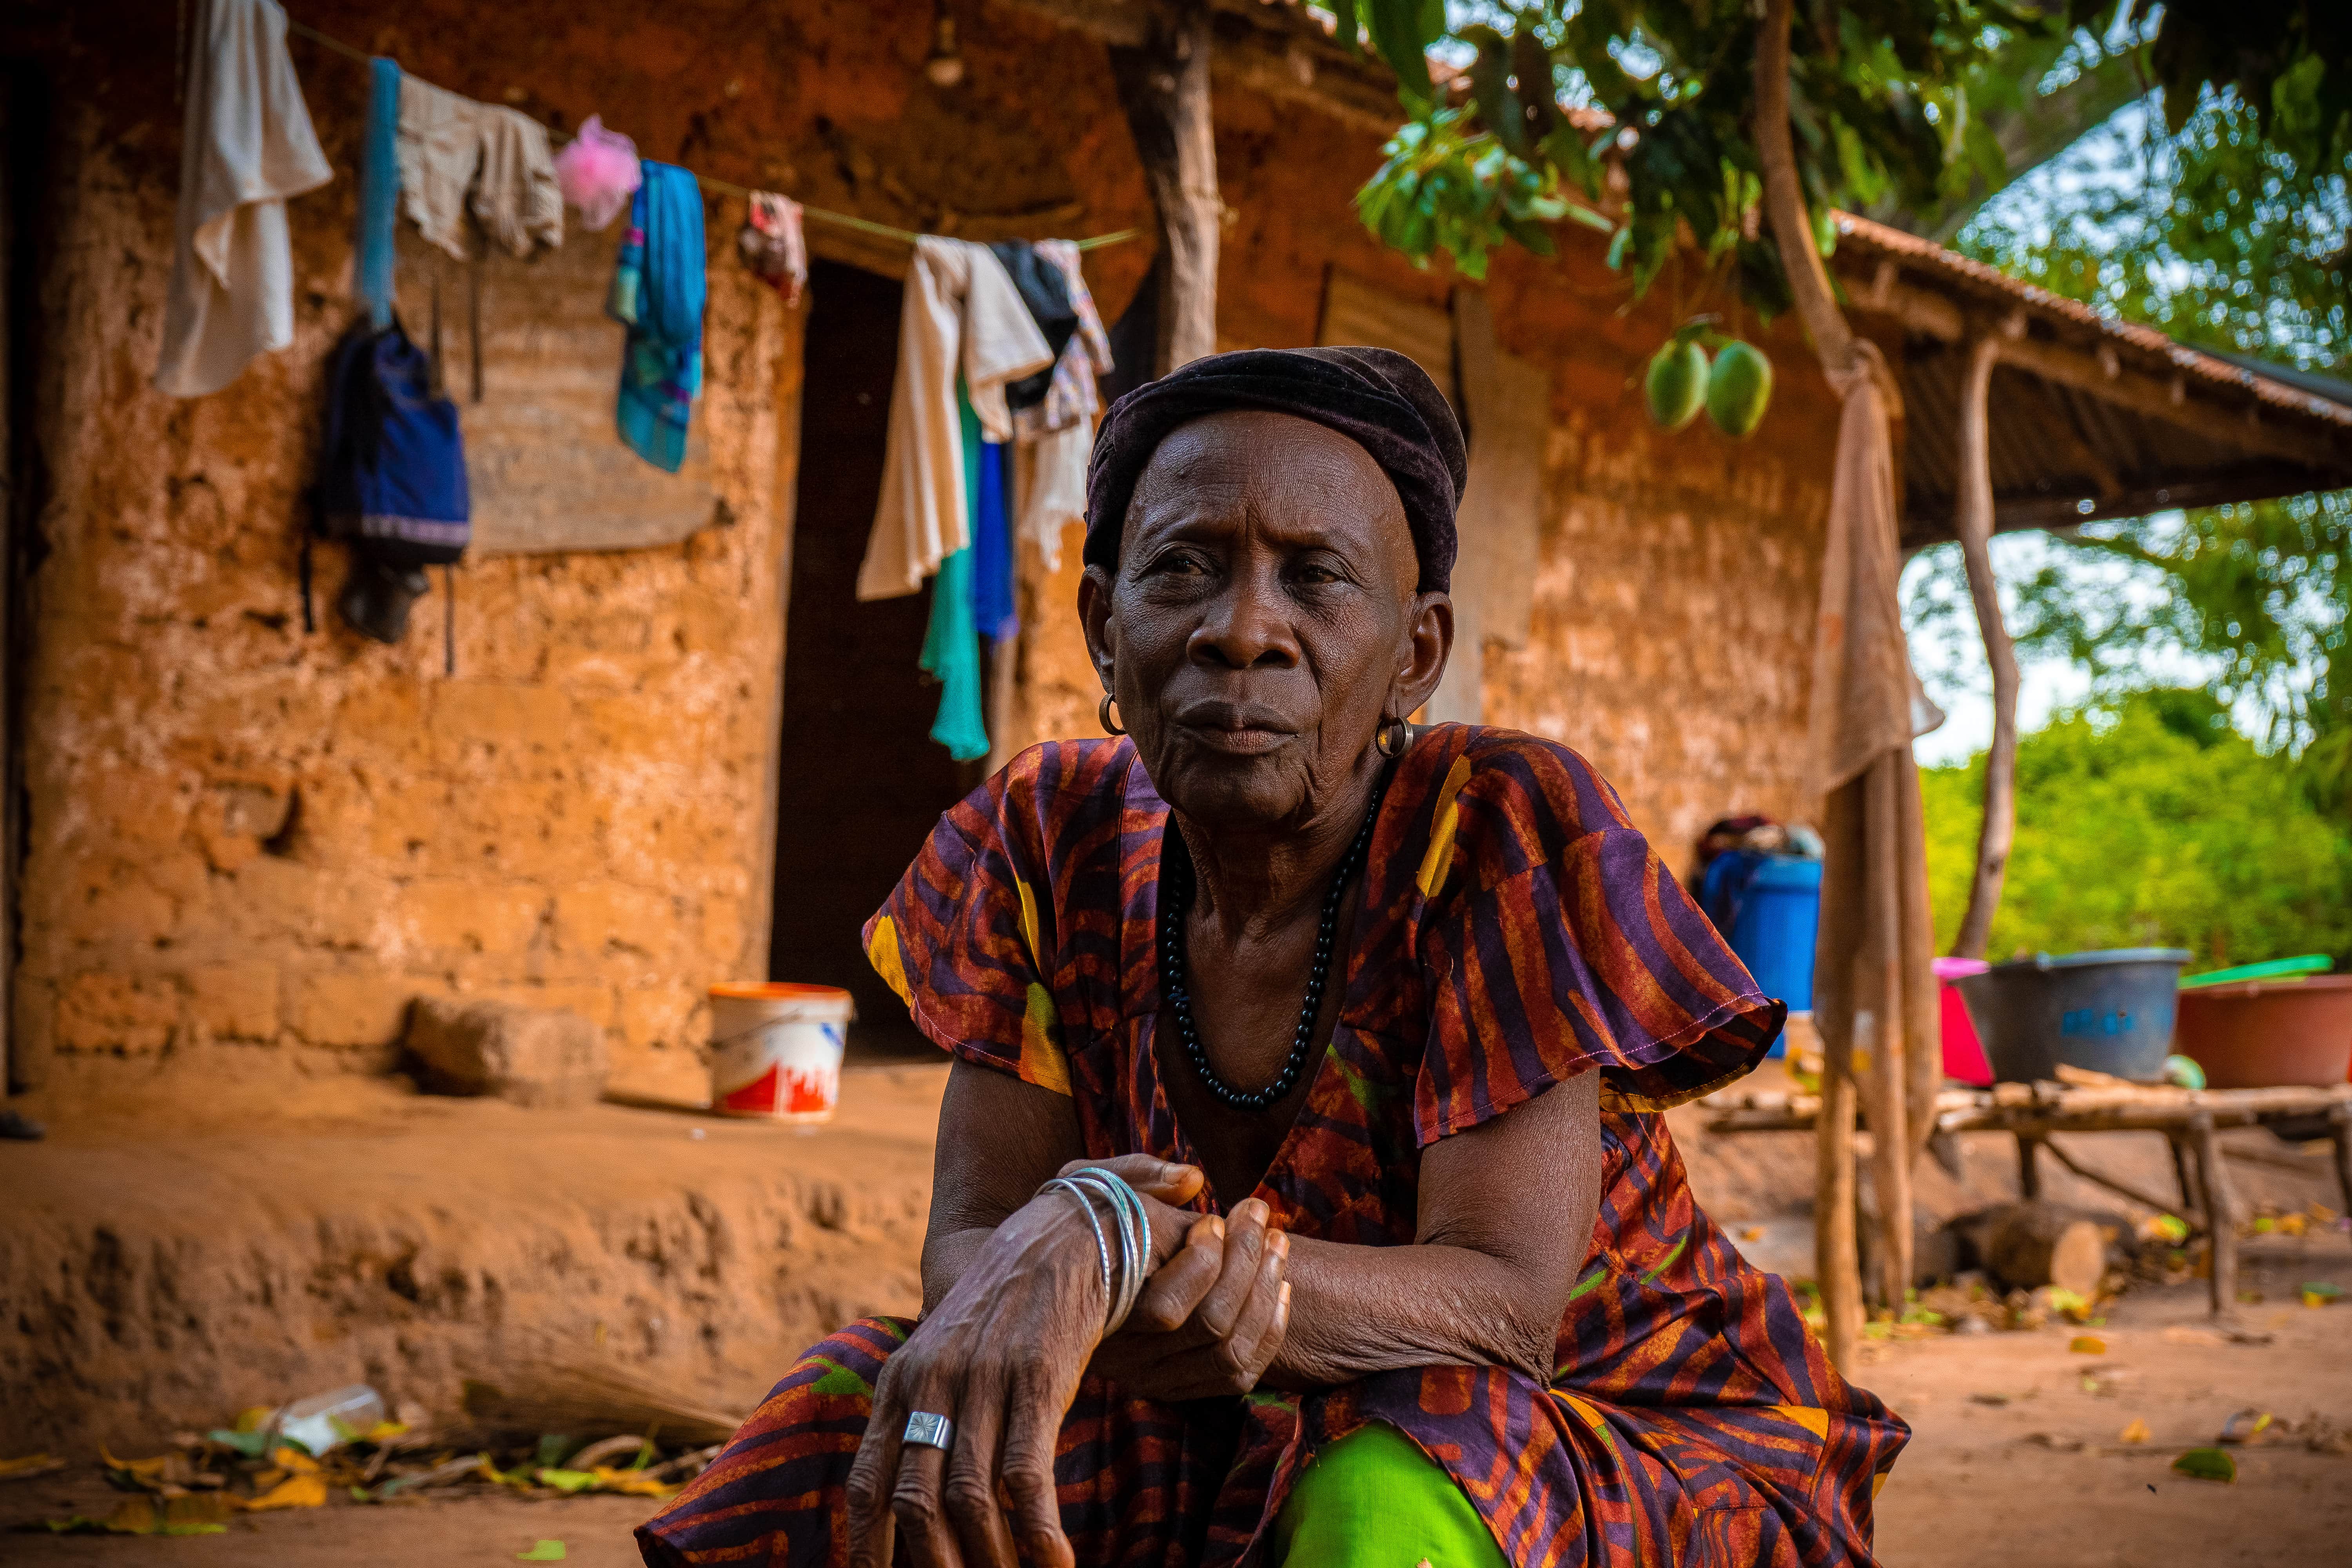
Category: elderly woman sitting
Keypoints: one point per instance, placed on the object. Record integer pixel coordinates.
(1356, 1037)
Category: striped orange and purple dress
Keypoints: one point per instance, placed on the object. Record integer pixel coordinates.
(1515, 929)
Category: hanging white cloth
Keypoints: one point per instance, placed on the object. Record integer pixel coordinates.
(961, 311)
(246, 146)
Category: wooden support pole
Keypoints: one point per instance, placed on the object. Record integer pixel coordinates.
(1840, 990)
(1891, 1143)
(2192, 1203)
(1973, 522)
(2339, 1133)
(2221, 1229)
(1163, 86)
(1835, 1268)
(2029, 1178)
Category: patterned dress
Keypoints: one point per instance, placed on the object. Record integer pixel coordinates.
(1515, 929)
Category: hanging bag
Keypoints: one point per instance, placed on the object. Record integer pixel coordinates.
(390, 484)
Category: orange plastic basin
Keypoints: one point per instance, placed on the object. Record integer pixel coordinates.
(2261, 1034)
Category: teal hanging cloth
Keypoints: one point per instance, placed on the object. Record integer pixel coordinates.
(378, 191)
(950, 641)
(657, 293)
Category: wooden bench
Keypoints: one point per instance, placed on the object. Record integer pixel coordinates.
(2189, 1120)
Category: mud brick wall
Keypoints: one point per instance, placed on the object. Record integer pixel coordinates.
(245, 836)
(242, 836)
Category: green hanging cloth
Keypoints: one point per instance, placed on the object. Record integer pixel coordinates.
(951, 639)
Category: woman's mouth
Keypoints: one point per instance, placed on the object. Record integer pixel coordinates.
(1237, 729)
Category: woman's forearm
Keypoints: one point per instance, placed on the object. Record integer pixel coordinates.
(1358, 1310)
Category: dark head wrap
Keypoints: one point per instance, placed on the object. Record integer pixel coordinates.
(1376, 398)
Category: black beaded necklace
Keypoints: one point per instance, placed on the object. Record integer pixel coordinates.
(1177, 901)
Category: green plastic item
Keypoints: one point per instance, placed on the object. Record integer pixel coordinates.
(2275, 969)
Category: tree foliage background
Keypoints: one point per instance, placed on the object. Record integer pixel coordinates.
(2189, 163)
(2148, 821)
(2237, 243)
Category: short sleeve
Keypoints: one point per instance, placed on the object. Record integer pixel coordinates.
(959, 937)
(1556, 942)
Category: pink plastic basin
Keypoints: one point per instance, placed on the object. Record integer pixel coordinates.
(1963, 1058)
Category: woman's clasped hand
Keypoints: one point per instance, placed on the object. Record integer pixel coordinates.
(1002, 1355)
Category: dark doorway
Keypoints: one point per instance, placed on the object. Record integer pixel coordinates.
(860, 781)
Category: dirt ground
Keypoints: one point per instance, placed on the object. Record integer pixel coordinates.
(1980, 1484)
(739, 1235)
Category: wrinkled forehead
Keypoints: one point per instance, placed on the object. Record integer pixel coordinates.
(1291, 477)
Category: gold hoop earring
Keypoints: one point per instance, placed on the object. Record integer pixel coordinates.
(1102, 716)
(1392, 738)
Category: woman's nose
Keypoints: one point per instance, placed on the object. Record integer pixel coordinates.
(1247, 627)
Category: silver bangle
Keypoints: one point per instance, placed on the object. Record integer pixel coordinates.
(1133, 1223)
(1134, 1238)
(1102, 1246)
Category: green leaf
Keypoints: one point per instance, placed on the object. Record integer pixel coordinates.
(2206, 1465)
(545, 1552)
(1395, 26)
(1347, 27)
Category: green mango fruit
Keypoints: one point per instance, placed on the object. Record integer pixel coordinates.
(1676, 385)
(1738, 389)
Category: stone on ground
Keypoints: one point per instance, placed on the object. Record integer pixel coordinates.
(529, 1056)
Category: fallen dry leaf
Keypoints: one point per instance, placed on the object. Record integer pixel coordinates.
(2136, 1433)
(2087, 1344)
(294, 1491)
(2057, 1441)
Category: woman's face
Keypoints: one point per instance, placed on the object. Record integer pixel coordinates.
(1264, 621)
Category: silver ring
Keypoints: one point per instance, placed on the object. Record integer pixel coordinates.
(928, 1429)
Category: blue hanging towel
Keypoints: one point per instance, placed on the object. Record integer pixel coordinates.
(379, 192)
(657, 293)
(993, 607)
(951, 644)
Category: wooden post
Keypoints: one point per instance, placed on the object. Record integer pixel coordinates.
(1973, 524)
(2029, 1177)
(2191, 1202)
(2339, 1133)
(2221, 1227)
(1891, 1150)
(1163, 86)
(1834, 1267)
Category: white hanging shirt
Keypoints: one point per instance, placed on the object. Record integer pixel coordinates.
(246, 147)
(961, 311)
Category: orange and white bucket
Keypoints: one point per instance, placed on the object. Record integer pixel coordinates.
(775, 1049)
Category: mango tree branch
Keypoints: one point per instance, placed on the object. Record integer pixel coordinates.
(1784, 197)
(1973, 524)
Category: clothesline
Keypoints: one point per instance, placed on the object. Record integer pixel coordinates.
(711, 183)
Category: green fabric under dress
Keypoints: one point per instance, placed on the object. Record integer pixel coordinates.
(951, 637)
(1373, 1500)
